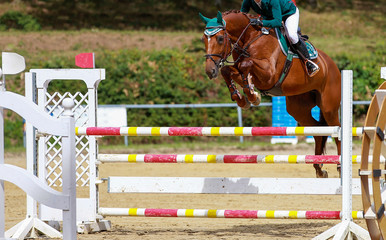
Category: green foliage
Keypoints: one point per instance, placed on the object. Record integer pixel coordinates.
(366, 70)
(366, 74)
(167, 76)
(18, 20)
(13, 130)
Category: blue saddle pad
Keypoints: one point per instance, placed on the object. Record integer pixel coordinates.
(284, 47)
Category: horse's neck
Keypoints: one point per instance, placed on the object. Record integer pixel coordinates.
(238, 35)
(251, 35)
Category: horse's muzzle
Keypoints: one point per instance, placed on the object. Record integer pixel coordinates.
(212, 68)
(212, 72)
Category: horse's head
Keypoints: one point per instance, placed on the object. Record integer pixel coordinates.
(217, 44)
(219, 35)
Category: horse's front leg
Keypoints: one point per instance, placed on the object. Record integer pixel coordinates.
(247, 83)
(228, 72)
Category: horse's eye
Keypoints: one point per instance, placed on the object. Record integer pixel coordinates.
(220, 39)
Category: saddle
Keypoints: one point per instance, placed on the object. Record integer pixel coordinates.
(286, 45)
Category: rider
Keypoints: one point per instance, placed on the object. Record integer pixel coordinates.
(273, 13)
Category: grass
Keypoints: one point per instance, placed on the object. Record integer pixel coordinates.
(345, 31)
(13, 151)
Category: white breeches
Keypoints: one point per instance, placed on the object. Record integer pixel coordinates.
(292, 24)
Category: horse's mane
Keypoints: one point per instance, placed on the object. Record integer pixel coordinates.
(230, 11)
(238, 11)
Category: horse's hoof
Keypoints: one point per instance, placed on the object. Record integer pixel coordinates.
(258, 99)
(322, 174)
(246, 105)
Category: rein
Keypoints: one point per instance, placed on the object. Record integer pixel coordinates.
(241, 51)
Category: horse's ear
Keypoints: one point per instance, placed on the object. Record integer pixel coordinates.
(204, 19)
(219, 18)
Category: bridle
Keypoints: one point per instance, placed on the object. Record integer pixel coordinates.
(223, 57)
(242, 51)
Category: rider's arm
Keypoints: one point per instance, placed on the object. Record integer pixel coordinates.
(277, 15)
(245, 6)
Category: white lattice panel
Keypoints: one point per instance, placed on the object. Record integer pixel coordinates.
(53, 143)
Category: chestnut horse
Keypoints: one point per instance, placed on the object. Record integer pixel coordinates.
(258, 62)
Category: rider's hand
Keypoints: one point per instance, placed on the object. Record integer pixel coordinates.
(256, 22)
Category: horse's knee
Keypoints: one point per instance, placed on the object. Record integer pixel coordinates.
(229, 72)
(225, 71)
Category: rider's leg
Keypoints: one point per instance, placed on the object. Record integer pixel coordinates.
(312, 67)
(292, 24)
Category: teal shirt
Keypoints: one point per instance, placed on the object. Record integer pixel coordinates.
(272, 11)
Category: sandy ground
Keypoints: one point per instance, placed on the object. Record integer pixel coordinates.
(182, 228)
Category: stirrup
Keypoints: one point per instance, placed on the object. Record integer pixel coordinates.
(315, 68)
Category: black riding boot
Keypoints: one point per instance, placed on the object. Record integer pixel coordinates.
(312, 68)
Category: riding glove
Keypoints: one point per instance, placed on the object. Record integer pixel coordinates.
(256, 22)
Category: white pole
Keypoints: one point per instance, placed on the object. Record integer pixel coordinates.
(69, 170)
(240, 120)
(2, 193)
(41, 158)
(346, 145)
(30, 145)
(93, 149)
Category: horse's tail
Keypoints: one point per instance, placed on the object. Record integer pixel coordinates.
(322, 122)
